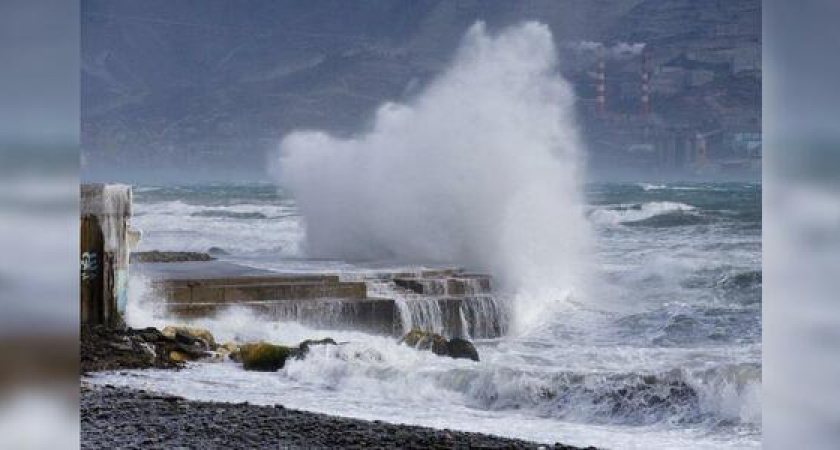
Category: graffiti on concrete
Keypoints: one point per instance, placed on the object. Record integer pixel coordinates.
(90, 265)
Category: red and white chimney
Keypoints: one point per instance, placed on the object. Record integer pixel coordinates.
(645, 86)
(601, 88)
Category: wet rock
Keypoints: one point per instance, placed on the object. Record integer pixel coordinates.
(439, 345)
(151, 334)
(462, 348)
(177, 356)
(305, 345)
(409, 284)
(120, 347)
(147, 351)
(426, 340)
(115, 348)
(265, 357)
(191, 336)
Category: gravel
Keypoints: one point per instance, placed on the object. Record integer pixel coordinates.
(115, 417)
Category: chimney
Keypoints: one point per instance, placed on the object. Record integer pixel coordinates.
(645, 85)
(601, 88)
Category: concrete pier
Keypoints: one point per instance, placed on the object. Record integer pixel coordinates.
(462, 303)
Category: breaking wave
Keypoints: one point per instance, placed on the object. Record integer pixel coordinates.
(230, 214)
(638, 212)
(652, 187)
(726, 395)
(238, 211)
(672, 219)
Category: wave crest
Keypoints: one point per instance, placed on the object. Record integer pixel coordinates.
(727, 394)
(638, 212)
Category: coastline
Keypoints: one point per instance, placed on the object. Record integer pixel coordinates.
(114, 417)
(117, 417)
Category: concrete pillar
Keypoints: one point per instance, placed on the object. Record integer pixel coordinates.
(104, 252)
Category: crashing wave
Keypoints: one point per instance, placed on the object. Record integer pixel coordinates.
(636, 212)
(725, 395)
(652, 187)
(230, 214)
(671, 219)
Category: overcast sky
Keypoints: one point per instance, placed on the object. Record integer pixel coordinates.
(39, 52)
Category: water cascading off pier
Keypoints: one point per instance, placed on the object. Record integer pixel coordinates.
(450, 302)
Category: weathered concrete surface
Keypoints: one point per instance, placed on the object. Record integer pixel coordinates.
(374, 315)
(218, 282)
(105, 211)
(195, 270)
(205, 289)
(155, 256)
(437, 283)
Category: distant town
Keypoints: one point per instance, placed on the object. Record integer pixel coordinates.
(671, 111)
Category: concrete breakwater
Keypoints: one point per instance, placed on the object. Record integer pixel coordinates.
(450, 302)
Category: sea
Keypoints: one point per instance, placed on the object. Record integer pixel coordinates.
(664, 354)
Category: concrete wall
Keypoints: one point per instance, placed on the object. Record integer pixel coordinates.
(105, 211)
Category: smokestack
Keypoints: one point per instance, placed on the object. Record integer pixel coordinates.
(645, 85)
(601, 88)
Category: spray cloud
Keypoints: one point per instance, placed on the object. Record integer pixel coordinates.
(621, 50)
(481, 169)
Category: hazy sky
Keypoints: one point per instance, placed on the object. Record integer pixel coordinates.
(39, 50)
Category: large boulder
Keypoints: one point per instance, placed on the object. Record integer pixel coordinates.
(265, 357)
(461, 348)
(439, 345)
(425, 340)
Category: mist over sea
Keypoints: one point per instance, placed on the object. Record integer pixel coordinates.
(663, 352)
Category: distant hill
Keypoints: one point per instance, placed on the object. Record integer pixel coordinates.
(214, 84)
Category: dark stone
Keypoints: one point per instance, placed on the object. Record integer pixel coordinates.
(120, 347)
(305, 345)
(115, 348)
(410, 284)
(184, 338)
(439, 345)
(192, 351)
(462, 348)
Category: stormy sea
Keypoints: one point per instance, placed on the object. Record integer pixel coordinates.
(658, 346)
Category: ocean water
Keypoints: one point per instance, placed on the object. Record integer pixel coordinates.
(664, 351)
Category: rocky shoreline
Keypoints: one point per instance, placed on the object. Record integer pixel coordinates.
(113, 417)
